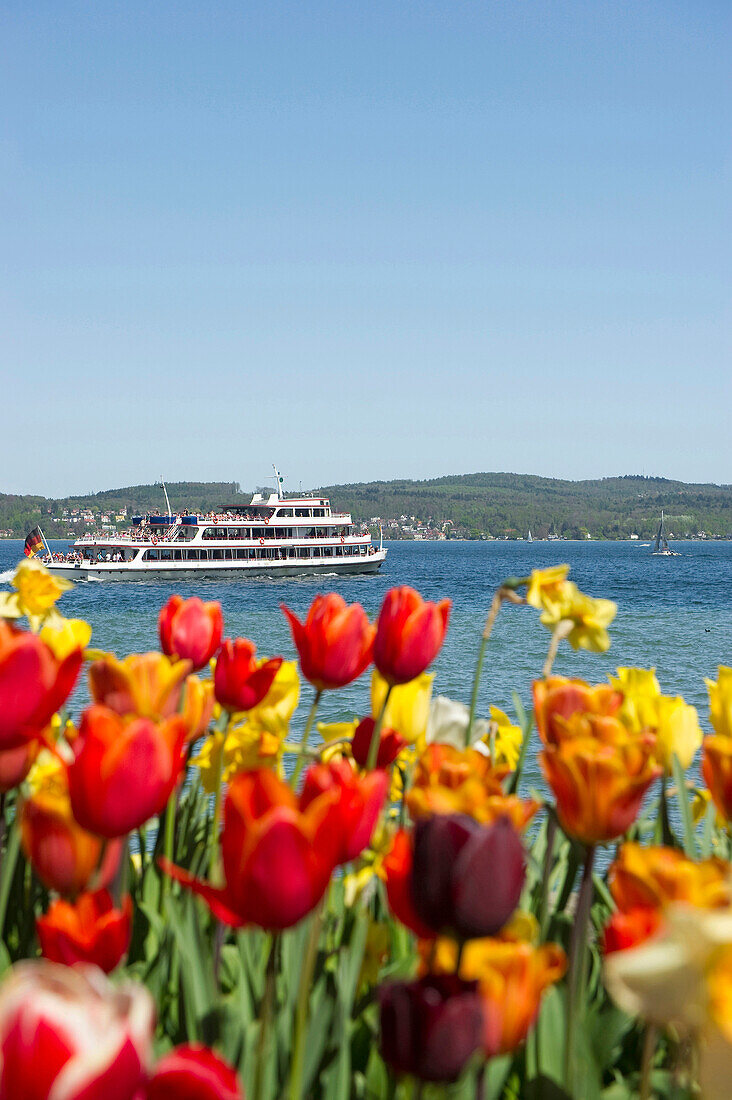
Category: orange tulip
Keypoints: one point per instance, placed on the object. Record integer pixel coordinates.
(409, 634)
(241, 682)
(557, 699)
(624, 930)
(15, 764)
(191, 629)
(335, 643)
(512, 976)
(64, 856)
(148, 685)
(448, 780)
(277, 855)
(34, 683)
(197, 708)
(599, 786)
(89, 931)
(124, 770)
(717, 771)
(651, 878)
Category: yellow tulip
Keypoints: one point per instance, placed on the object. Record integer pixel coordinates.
(720, 701)
(678, 732)
(640, 690)
(280, 703)
(243, 747)
(63, 636)
(36, 592)
(408, 708)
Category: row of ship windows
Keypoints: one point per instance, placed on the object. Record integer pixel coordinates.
(253, 553)
(238, 533)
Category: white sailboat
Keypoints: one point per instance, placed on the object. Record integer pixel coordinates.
(660, 546)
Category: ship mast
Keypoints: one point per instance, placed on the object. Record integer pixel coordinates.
(278, 483)
(165, 491)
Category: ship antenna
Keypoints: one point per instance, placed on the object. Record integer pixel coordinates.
(278, 483)
(167, 502)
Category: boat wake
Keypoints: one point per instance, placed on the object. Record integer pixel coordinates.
(7, 576)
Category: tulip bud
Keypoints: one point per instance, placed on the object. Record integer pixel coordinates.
(194, 1073)
(191, 629)
(390, 744)
(431, 1027)
(335, 643)
(241, 682)
(409, 634)
(467, 877)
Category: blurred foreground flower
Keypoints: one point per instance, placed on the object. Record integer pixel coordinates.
(191, 629)
(448, 723)
(358, 802)
(90, 931)
(557, 700)
(16, 763)
(391, 744)
(34, 684)
(193, 1072)
(124, 769)
(431, 1027)
(408, 705)
(720, 701)
(335, 643)
(409, 634)
(656, 876)
(64, 856)
(67, 1034)
(36, 592)
(64, 636)
(454, 859)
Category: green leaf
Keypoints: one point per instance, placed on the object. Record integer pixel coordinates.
(682, 797)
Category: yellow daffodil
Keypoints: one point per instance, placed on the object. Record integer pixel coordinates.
(590, 617)
(545, 586)
(408, 708)
(720, 701)
(47, 782)
(506, 739)
(36, 592)
(640, 690)
(63, 636)
(242, 747)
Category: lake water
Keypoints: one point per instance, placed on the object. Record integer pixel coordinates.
(673, 613)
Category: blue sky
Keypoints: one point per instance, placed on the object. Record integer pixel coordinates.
(363, 240)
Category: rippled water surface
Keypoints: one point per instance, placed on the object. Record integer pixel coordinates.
(674, 613)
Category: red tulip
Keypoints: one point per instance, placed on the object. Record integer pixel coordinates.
(64, 856)
(278, 856)
(34, 683)
(124, 770)
(335, 643)
(91, 930)
(15, 764)
(191, 629)
(358, 805)
(67, 1034)
(240, 682)
(409, 634)
(193, 1073)
(398, 870)
(431, 1027)
(391, 744)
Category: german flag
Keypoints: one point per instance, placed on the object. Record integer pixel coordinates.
(33, 542)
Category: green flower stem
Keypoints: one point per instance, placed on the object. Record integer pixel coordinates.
(300, 764)
(168, 846)
(649, 1049)
(266, 1016)
(577, 966)
(501, 594)
(221, 729)
(376, 735)
(9, 860)
(303, 1000)
(667, 836)
(551, 833)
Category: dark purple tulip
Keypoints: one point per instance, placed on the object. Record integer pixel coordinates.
(430, 1027)
(467, 878)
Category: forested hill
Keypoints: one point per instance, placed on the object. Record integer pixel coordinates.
(469, 505)
(512, 504)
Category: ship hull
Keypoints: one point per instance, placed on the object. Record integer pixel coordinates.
(186, 571)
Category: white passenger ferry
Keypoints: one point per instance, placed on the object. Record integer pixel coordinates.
(277, 536)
